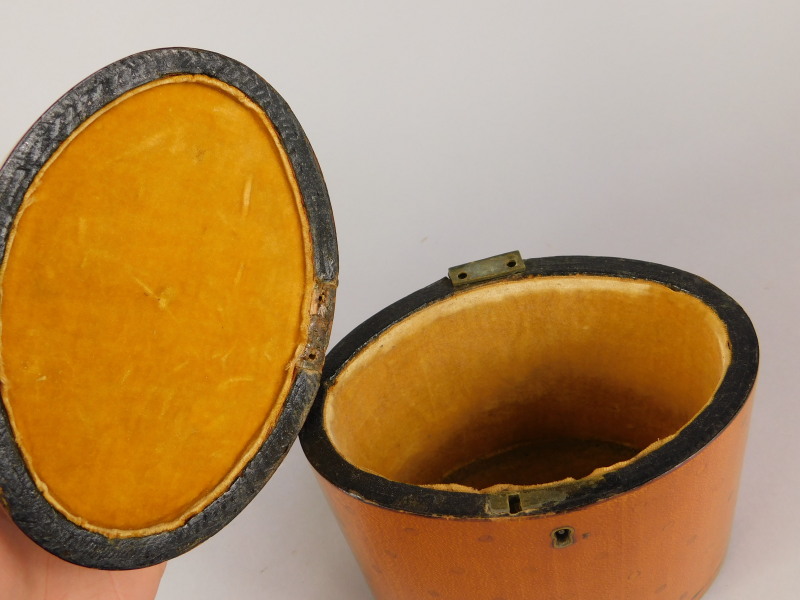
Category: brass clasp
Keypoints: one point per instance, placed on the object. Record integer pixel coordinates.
(489, 268)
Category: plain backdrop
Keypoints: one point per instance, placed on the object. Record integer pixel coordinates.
(451, 131)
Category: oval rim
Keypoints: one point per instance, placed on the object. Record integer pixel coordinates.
(729, 399)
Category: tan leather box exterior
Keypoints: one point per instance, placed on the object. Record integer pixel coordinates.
(666, 539)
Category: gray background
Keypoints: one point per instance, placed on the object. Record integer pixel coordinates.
(450, 131)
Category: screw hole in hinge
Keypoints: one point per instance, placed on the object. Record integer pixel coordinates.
(563, 537)
(494, 267)
(312, 356)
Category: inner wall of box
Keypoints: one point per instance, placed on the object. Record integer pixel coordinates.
(528, 382)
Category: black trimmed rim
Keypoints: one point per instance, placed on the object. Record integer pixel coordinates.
(27, 507)
(728, 400)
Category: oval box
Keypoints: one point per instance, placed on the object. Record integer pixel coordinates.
(567, 427)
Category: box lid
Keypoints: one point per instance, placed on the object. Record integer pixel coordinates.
(168, 278)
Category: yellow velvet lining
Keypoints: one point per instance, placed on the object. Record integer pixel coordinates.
(155, 297)
(523, 383)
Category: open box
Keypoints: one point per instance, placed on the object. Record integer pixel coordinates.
(573, 428)
(563, 427)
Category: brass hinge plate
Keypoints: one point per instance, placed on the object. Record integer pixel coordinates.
(493, 267)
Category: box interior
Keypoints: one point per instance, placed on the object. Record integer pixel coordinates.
(524, 383)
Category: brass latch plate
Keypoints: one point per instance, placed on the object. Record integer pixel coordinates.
(488, 268)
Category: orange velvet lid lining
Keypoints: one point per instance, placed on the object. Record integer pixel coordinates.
(156, 293)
